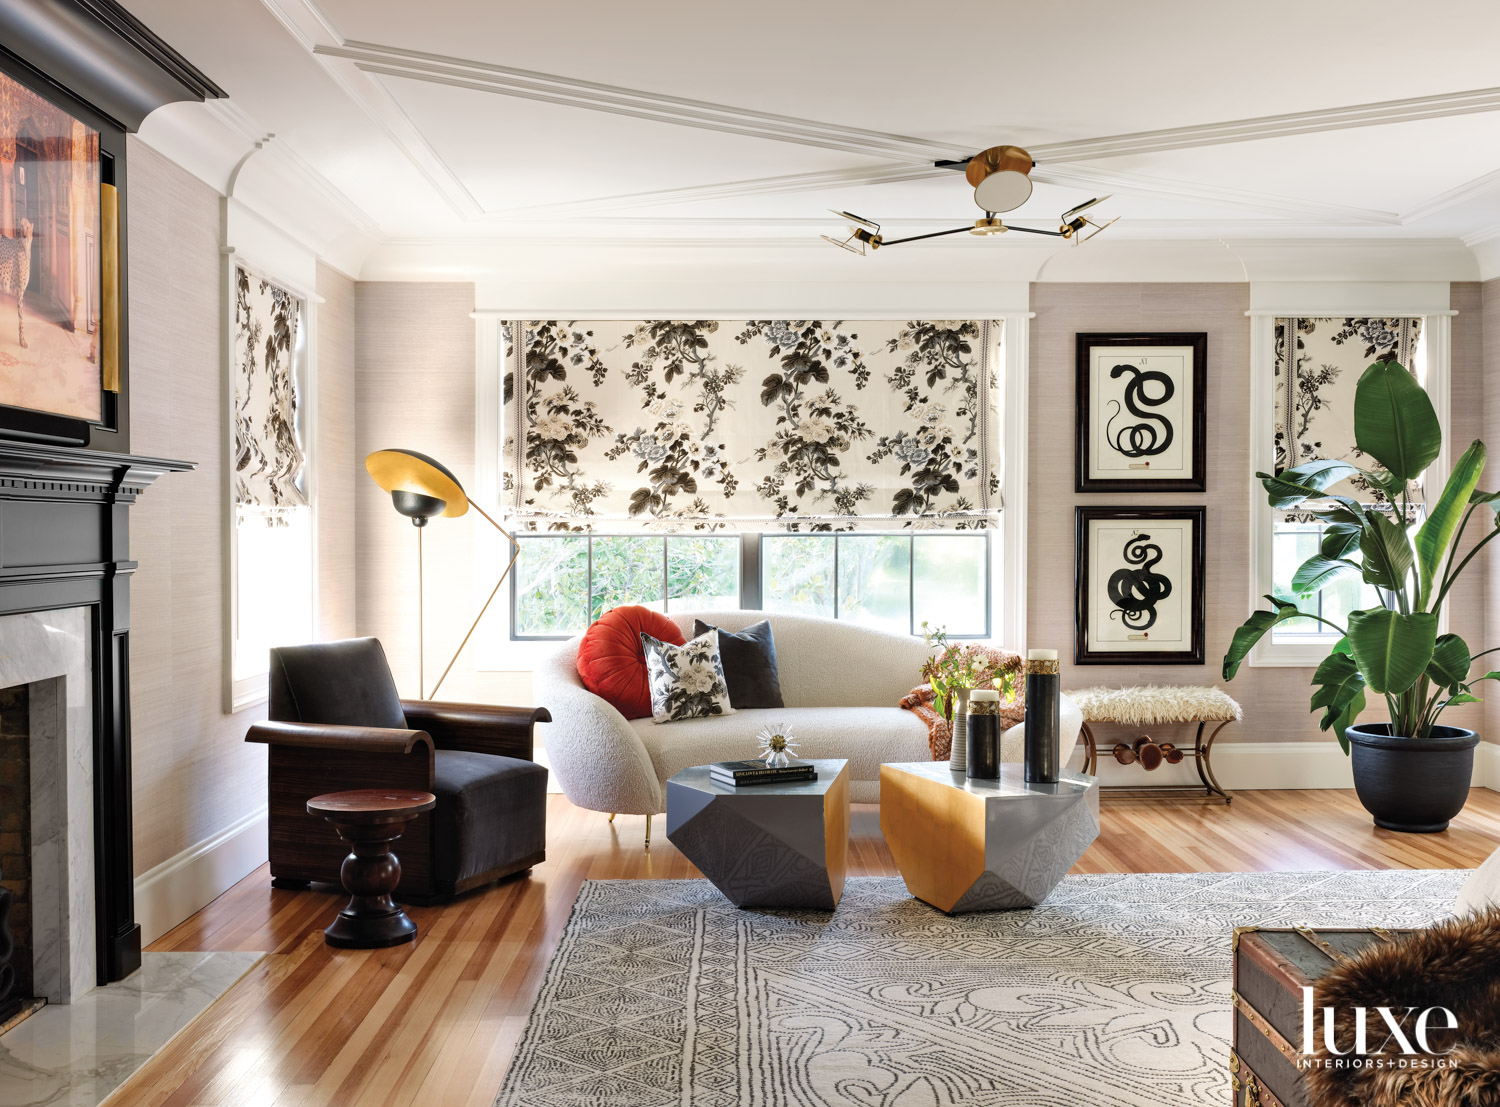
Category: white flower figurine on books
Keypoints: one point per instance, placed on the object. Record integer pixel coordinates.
(776, 745)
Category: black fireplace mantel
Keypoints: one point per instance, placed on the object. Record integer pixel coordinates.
(65, 542)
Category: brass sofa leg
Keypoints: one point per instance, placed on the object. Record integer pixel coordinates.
(611, 816)
(648, 831)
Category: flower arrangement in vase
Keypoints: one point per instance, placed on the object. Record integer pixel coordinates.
(954, 671)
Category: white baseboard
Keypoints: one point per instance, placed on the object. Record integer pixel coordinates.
(1487, 766)
(194, 878)
(1252, 766)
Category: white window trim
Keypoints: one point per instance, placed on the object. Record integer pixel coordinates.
(253, 246)
(1437, 334)
(497, 653)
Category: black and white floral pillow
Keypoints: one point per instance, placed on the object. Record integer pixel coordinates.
(687, 682)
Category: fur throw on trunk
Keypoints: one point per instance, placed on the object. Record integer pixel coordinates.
(1454, 965)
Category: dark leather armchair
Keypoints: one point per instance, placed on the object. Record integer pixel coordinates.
(336, 722)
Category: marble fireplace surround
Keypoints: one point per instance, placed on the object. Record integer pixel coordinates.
(50, 651)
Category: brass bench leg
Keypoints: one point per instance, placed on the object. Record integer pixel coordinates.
(1090, 753)
(1205, 768)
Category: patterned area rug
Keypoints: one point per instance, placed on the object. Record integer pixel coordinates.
(1115, 990)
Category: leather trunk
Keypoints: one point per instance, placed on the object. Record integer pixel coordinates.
(1271, 967)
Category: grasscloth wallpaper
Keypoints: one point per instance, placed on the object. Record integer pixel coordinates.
(193, 773)
(194, 776)
(416, 392)
(1275, 699)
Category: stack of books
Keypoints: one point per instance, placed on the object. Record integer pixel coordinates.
(740, 774)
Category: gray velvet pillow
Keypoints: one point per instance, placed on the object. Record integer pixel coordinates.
(749, 660)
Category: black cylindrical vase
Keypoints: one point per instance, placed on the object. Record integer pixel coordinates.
(984, 735)
(1043, 711)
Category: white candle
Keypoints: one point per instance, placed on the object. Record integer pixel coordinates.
(1041, 655)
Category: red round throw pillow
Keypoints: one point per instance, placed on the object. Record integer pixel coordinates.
(610, 662)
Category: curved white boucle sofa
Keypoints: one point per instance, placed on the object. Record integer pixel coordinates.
(840, 683)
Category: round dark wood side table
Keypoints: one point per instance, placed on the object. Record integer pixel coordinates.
(370, 819)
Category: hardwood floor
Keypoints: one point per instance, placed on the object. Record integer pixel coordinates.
(435, 1023)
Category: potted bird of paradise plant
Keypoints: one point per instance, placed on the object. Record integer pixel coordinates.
(1412, 773)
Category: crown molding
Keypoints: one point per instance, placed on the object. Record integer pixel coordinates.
(295, 168)
(1484, 234)
(312, 29)
(755, 186)
(551, 88)
(1104, 180)
(221, 145)
(1462, 194)
(1086, 177)
(1274, 126)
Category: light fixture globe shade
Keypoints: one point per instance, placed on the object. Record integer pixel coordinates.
(412, 477)
(1000, 178)
(1003, 191)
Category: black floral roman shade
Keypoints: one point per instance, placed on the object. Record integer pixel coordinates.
(712, 425)
(268, 453)
(1318, 365)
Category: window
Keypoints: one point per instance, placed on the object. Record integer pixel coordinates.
(273, 593)
(1294, 543)
(1280, 545)
(894, 582)
(271, 528)
(562, 583)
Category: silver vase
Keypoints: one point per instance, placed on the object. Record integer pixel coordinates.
(958, 757)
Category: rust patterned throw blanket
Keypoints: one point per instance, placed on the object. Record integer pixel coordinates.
(920, 702)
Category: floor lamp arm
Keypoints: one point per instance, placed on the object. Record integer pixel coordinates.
(515, 552)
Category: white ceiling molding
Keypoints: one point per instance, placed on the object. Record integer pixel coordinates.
(550, 88)
(1469, 190)
(757, 186)
(1484, 234)
(1370, 297)
(313, 29)
(1103, 180)
(1274, 126)
(294, 165)
(1087, 177)
(224, 147)
(1487, 256)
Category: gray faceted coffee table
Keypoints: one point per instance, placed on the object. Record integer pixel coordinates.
(766, 845)
(984, 845)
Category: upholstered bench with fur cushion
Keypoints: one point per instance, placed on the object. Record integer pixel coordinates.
(1156, 706)
(1454, 965)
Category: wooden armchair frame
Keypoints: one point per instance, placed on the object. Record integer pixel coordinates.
(308, 759)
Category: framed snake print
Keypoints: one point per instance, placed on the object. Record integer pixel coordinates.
(1139, 586)
(1141, 413)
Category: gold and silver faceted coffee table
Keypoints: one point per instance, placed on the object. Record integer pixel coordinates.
(765, 845)
(984, 845)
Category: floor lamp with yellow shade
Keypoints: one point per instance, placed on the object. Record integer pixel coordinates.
(422, 489)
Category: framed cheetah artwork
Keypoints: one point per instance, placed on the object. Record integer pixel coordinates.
(50, 287)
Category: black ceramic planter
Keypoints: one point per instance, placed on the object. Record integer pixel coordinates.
(1411, 785)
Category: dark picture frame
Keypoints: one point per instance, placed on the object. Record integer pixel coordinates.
(1136, 579)
(1129, 437)
(108, 430)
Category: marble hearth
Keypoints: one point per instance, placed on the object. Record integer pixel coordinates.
(49, 652)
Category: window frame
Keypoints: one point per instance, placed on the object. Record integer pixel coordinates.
(751, 560)
(1437, 339)
(1007, 302)
(514, 579)
(250, 689)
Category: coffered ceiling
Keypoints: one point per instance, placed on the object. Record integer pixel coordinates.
(698, 121)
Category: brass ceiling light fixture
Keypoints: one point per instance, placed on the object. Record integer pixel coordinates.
(1001, 177)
